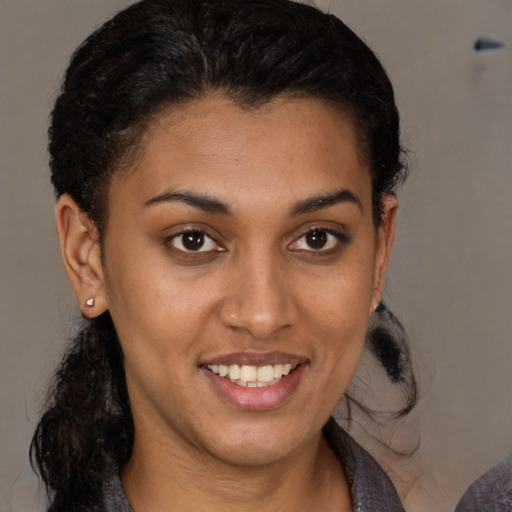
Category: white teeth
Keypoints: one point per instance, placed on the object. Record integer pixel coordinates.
(265, 373)
(253, 376)
(234, 372)
(248, 373)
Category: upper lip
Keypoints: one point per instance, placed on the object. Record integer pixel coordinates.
(255, 359)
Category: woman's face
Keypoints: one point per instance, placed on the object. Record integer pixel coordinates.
(242, 241)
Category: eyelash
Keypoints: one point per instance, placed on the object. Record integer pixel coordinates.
(333, 239)
(337, 239)
(179, 237)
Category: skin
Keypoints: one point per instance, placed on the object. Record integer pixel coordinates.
(256, 287)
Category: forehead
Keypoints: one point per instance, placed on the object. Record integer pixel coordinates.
(288, 147)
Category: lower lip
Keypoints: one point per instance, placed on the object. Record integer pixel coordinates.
(256, 399)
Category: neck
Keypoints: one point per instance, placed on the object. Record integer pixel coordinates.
(160, 478)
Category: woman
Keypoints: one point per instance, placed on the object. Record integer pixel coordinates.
(225, 174)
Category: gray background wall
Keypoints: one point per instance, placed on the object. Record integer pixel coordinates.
(451, 277)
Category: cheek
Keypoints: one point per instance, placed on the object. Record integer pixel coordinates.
(341, 299)
(337, 315)
(339, 344)
(158, 311)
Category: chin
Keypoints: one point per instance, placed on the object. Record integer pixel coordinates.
(256, 454)
(259, 443)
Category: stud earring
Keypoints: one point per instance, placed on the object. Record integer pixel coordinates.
(89, 303)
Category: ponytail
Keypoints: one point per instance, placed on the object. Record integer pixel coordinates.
(87, 426)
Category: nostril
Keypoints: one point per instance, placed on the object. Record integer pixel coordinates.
(261, 323)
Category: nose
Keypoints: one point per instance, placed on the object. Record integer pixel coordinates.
(259, 300)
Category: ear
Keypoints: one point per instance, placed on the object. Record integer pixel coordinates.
(384, 243)
(81, 254)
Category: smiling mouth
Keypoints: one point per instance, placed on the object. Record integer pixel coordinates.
(252, 376)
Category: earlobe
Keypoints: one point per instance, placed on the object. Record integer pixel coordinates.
(384, 244)
(81, 255)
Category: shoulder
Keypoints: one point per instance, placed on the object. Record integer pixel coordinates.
(371, 488)
(491, 492)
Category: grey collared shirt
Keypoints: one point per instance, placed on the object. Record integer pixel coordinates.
(492, 492)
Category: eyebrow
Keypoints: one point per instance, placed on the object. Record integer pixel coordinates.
(316, 203)
(205, 203)
(212, 205)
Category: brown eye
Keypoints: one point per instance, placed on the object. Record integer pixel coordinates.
(194, 241)
(321, 240)
(316, 239)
